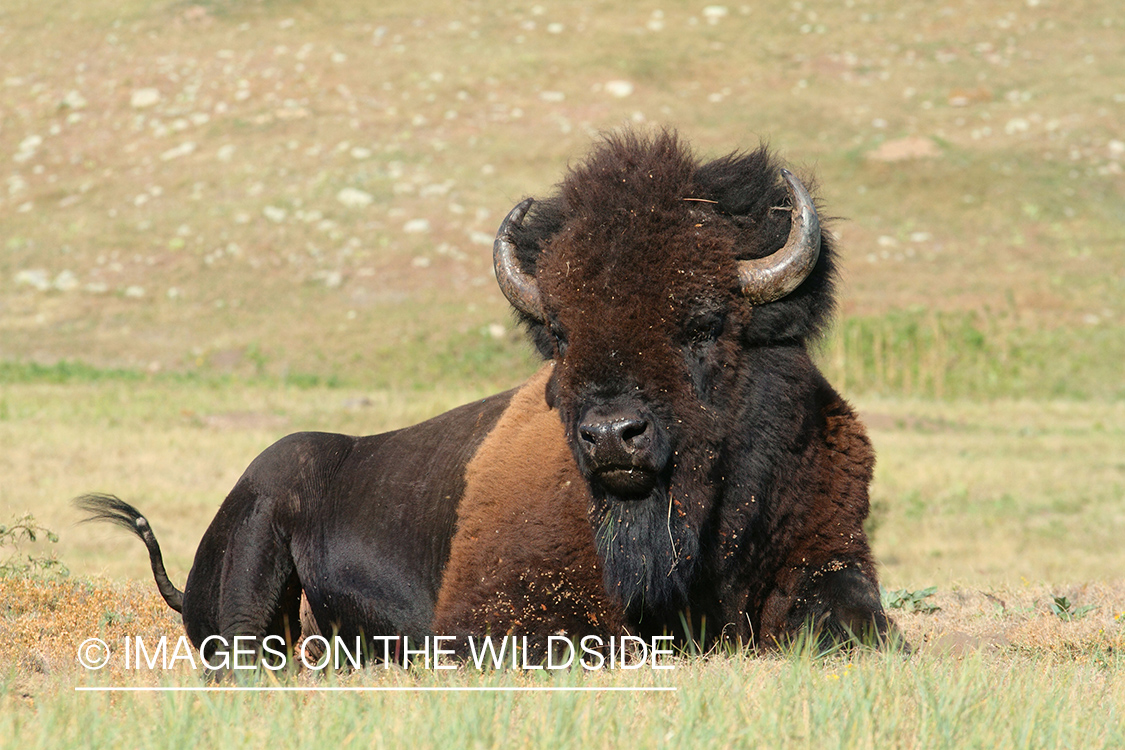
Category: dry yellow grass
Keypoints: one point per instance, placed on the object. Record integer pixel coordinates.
(1019, 619)
(43, 622)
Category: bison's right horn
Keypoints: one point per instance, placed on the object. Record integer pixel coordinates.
(519, 287)
(771, 278)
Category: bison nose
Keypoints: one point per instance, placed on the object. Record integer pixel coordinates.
(621, 450)
(614, 438)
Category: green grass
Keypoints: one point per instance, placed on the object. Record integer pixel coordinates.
(913, 353)
(970, 355)
(868, 701)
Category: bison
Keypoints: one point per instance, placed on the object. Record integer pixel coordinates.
(677, 466)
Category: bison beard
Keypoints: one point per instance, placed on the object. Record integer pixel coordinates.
(649, 546)
(678, 464)
(649, 553)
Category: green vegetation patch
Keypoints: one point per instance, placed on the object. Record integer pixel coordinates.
(975, 355)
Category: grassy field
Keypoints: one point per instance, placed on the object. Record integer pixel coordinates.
(231, 220)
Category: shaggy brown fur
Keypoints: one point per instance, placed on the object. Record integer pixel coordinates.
(523, 561)
(831, 542)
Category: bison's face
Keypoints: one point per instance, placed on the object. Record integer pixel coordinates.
(643, 370)
(646, 306)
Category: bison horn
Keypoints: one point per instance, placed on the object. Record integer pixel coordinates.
(518, 286)
(771, 278)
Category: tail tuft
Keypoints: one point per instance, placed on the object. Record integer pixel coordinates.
(111, 509)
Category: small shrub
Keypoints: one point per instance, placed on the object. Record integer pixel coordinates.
(26, 529)
(911, 601)
(1064, 609)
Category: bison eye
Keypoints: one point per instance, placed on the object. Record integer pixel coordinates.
(558, 335)
(704, 329)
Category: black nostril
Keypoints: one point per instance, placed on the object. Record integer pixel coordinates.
(597, 434)
(630, 430)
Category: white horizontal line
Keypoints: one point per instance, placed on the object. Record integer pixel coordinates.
(232, 689)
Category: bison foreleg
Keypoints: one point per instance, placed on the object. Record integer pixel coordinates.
(837, 604)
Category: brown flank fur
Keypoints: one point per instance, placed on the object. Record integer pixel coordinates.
(522, 560)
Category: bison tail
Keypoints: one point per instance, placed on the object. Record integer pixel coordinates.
(117, 511)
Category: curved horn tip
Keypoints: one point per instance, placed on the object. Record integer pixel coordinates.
(768, 279)
(519, 287)
(515, 216)
(794, 184)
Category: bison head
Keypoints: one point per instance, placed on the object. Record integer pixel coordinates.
(651, 280)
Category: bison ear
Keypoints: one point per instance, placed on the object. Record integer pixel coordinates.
(551, 392)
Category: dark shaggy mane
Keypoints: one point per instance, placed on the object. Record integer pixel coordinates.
(629, 170)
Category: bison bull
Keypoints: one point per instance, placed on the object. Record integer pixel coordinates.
(679, 465)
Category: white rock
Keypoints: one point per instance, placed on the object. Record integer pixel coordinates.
(134, 291)
(619, 89)
(16, 184)
(225, 153)
(496, 330)
(331, 279)
(183, 149)
(416, 226)
(715, 13)
(66, 281)
(143, 98)
(28, 146)
(34, 277)
(74, 100)
(437, 188)
(355, 198)
(275, 214)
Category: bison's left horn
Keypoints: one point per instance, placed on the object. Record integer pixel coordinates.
(771, 278)
(518, 286)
